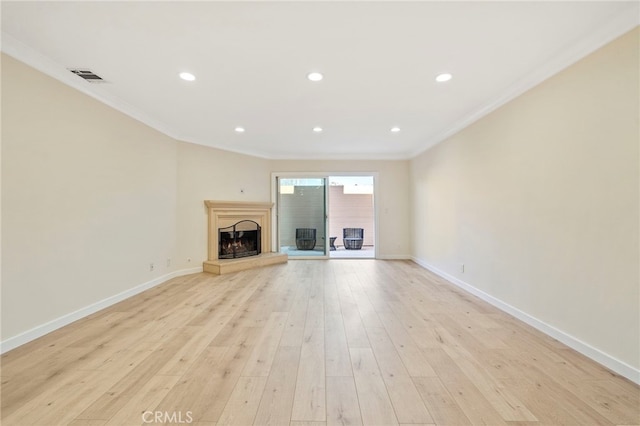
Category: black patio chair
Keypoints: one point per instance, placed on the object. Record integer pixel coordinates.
(352, 238)
(305, 238)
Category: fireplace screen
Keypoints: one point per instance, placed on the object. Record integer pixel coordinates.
(239, 240)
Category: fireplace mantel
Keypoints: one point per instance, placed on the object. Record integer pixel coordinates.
(238, 205)
(223, 214)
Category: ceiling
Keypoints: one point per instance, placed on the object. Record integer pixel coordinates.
(251, 60)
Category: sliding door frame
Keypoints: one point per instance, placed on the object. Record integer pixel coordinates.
(275, 242)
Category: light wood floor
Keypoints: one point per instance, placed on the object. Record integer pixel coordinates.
(308, 343)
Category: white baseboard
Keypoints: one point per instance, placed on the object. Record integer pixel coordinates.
(595, 354)
(394, 257)
(41, 330)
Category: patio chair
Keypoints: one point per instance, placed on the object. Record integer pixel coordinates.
(305, 238)
(352, 238)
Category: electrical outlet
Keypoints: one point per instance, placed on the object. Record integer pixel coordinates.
(150, 267)
(168, 262)
(462, 268)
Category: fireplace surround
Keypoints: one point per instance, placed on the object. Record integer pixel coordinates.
(226, 214)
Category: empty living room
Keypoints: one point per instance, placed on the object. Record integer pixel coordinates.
(314, 213)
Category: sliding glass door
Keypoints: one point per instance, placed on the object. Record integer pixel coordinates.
(302, 216)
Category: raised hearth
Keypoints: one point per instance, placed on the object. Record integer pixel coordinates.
(226, 266)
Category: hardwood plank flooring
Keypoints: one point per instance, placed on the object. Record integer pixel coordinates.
(339, 342)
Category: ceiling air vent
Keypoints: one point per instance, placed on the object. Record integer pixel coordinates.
(88, 75)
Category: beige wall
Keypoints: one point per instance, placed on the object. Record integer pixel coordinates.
(208, 173)
(88, 200)
(212, 174)
(392, 204)
(539, 201)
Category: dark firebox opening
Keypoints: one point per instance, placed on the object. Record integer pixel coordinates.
(239, 240)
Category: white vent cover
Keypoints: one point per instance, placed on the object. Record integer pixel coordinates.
(88, 75)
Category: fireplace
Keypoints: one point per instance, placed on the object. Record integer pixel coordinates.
(241, 239)
(239, 236)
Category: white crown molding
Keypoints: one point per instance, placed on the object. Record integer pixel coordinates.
(42, 329)
(618, 25)
(589, 351)
(309, 156)
(338, 156)
(46, 65)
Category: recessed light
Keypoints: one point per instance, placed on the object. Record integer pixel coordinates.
(239, 129)
(317, 129)
(441, 78)
(315, 76)
(187, 76)
(395, 129)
